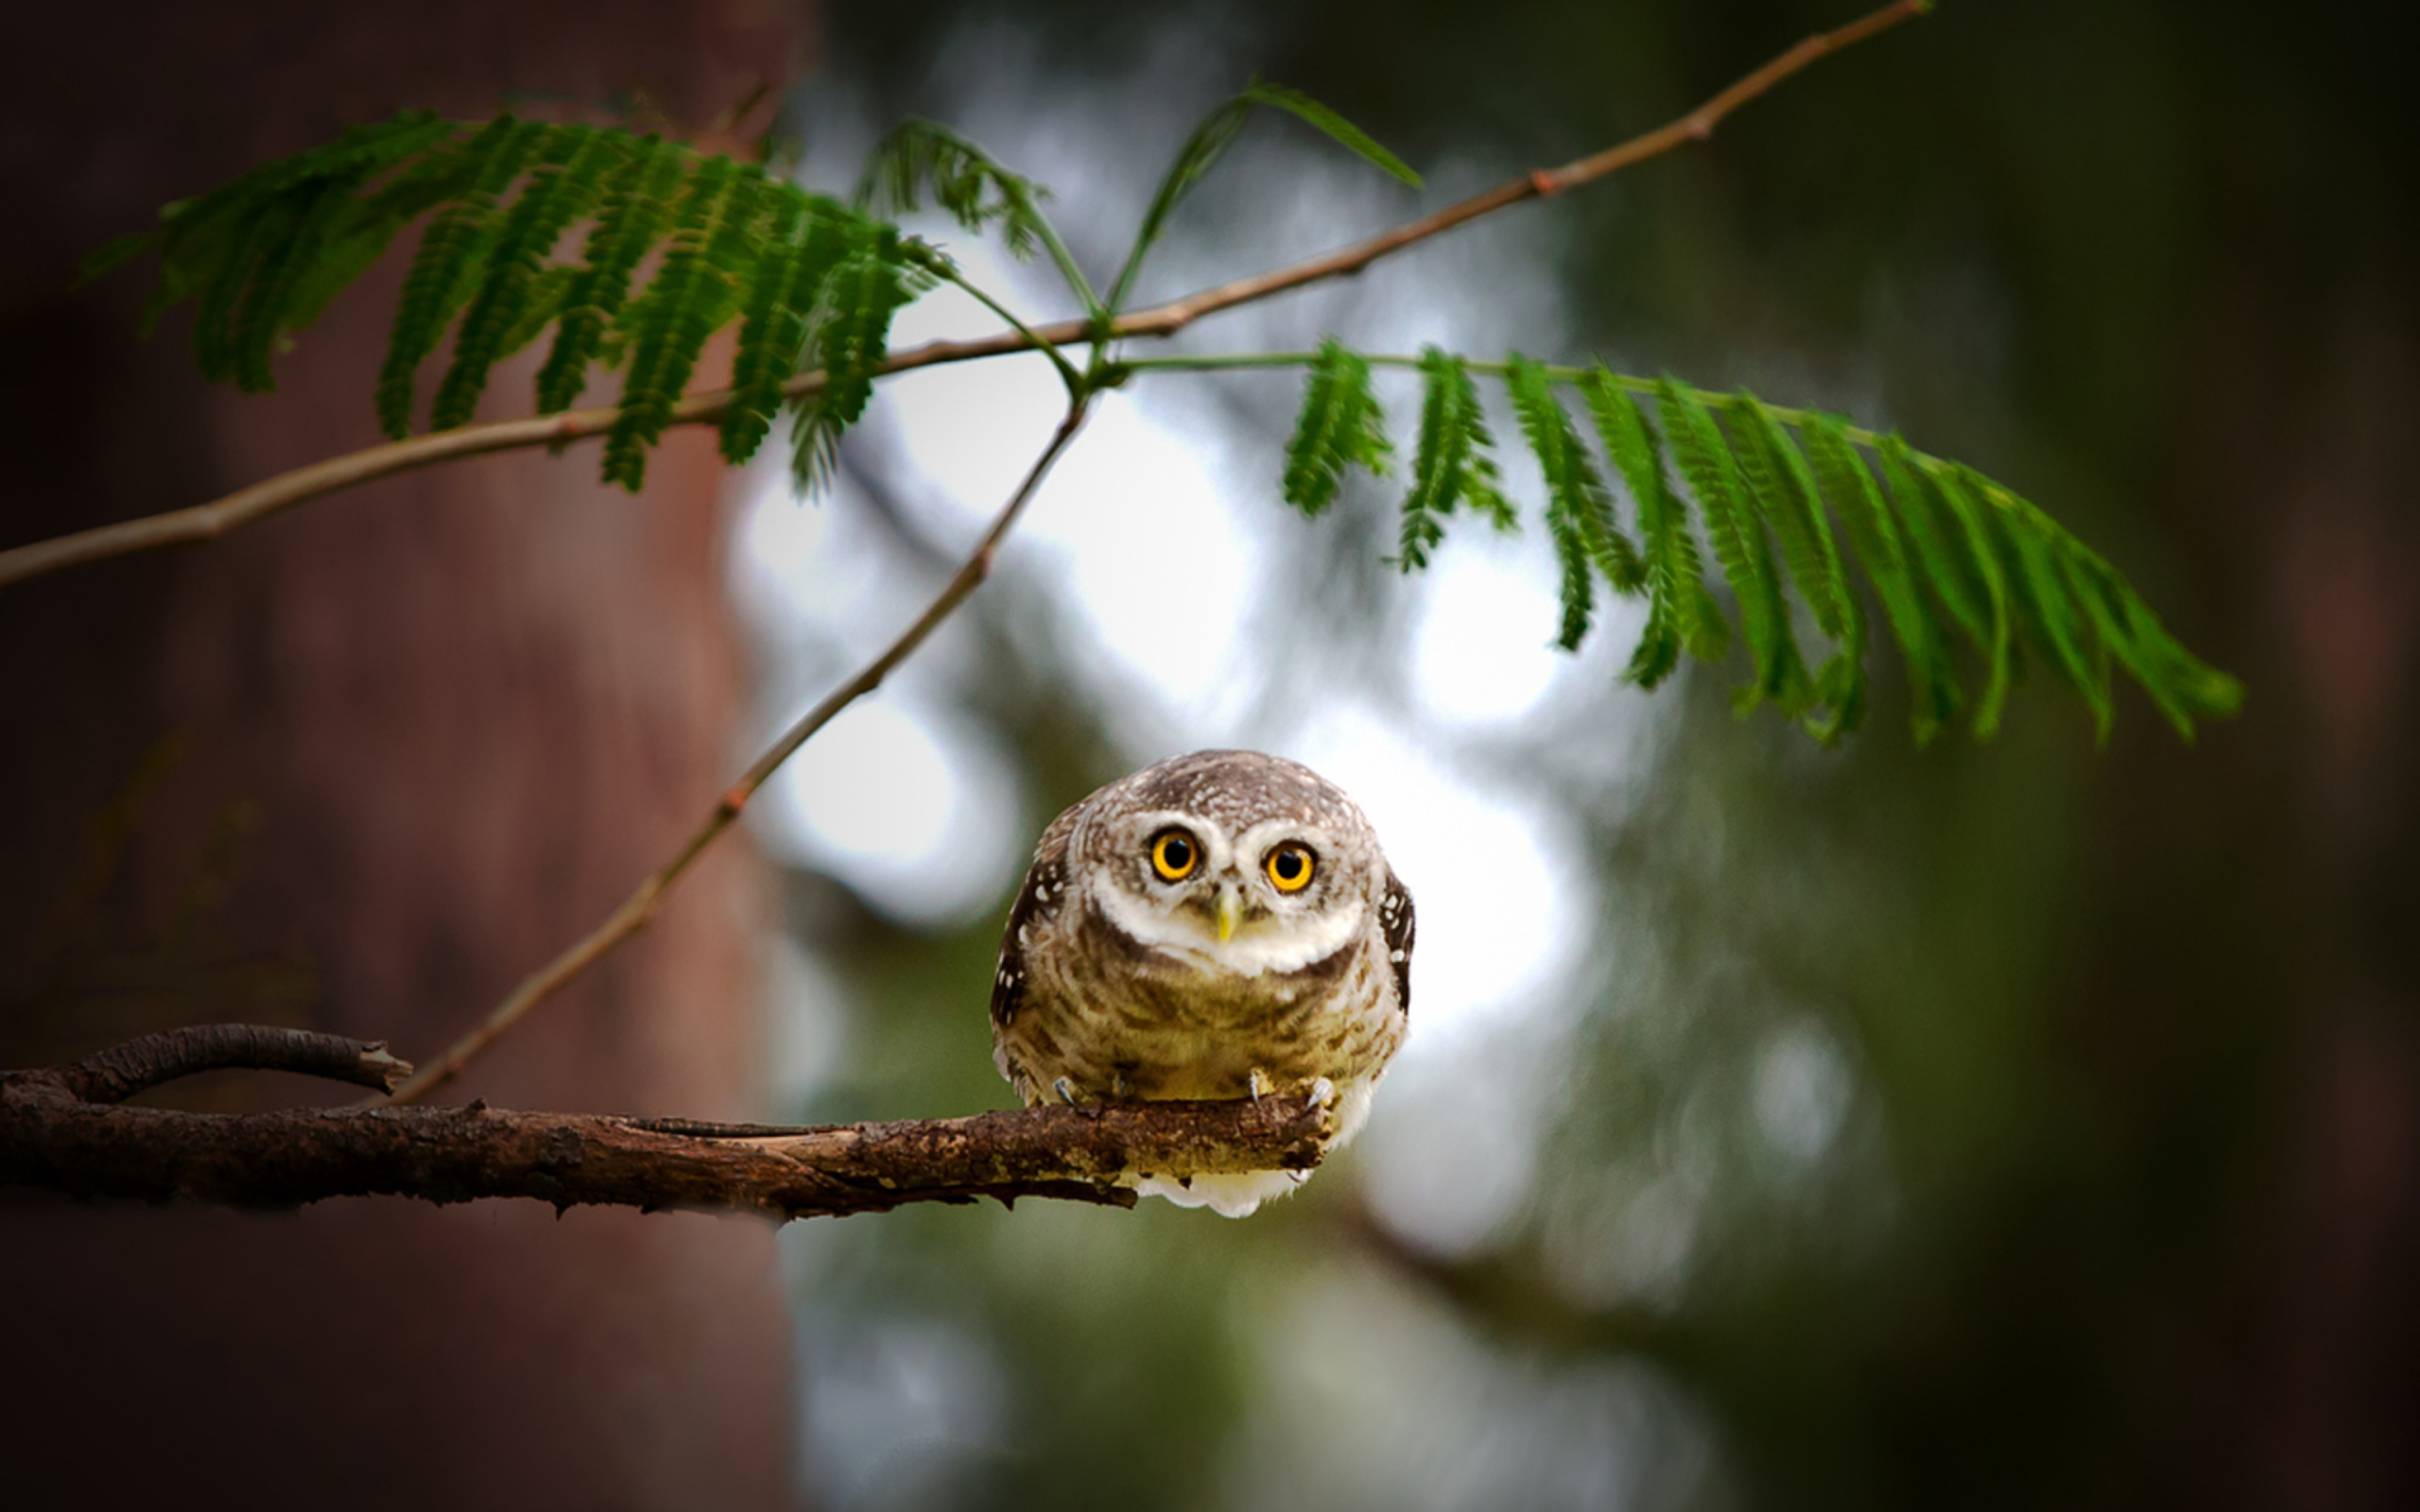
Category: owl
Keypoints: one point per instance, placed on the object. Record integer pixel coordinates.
(1219, 925)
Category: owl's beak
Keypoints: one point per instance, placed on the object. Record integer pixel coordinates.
(1231, 911)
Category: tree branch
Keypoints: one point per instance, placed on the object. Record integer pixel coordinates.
(55, 1138)
(122, 1071)
(640, 905)
(272, 495)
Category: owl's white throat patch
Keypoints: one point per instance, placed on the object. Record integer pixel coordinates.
(1281, 943)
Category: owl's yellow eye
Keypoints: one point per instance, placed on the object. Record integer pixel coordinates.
(1289, 865)
(1174, 855)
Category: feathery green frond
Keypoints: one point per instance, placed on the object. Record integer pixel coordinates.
(965, 181)
(1937, 554)
(541, 306)
(2184, 686)
(1874, 536)
(262, 256)
(864, 292)
(1209, 141)
(1706, 463)
(813, 283)
(1340, 426)
(1681, 615)
(2045, 616)
(1339, 130)
(689, 298)
(444, 272)
(1579, 515)
(807, 239)
(877, 275)
(635, 204)
(566, 182)
(249, 251)
(1999, 646)
(1783, 490)
(1453, 465)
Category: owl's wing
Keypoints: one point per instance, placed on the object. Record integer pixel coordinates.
(1394, 923)
(1045, 887)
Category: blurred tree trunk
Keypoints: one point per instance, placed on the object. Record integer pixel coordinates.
(361, 767)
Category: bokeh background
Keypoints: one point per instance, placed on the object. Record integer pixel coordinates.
(2008, 1125)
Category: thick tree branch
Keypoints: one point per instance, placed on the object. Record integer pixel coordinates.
(639, 906)
(53, 1138)
(207, 521)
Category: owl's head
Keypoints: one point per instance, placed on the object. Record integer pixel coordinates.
(1243, 861)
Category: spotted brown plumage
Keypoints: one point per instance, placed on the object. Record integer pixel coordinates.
(1221, 924)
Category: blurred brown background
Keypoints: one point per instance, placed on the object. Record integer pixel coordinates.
(361, 771)
(2124, 1206)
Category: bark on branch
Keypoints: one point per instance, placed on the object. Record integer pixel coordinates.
(54, 1136)
(122, 1071)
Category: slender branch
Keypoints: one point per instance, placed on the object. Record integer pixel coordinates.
(51, 1139)
(122, 1071)
(640, 905)
(272, 495)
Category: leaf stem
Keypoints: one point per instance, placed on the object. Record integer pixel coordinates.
(1067, 374)
(1245, 361)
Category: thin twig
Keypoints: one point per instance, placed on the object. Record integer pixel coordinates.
(208, 520)
(51, 1139)
(640, 906)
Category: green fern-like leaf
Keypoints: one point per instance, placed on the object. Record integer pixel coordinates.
(1783, 488)
(251, 253)
(447, 266)
(688, 301)
(1579, 516)
(874, 279)
(1209, 141)
(1874, 535)
(1681, 615)
(966, 181)
(2041, 604)
(2185, 687)
(811, 281)
(1337, 130)
(1340, 426)
(1982, 558)
(635, 204)
(865, 291)
(1453, 465)
(566, 183)
(541, 306)
(1937, 554)
(431, 167)
(1705, 462)
(807, 239)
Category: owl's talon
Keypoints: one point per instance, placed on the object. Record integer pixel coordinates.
(1088, 1107)
(1260, 1084)
(1322, 1093)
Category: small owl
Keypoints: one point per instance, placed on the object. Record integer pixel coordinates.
(1222, 925)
